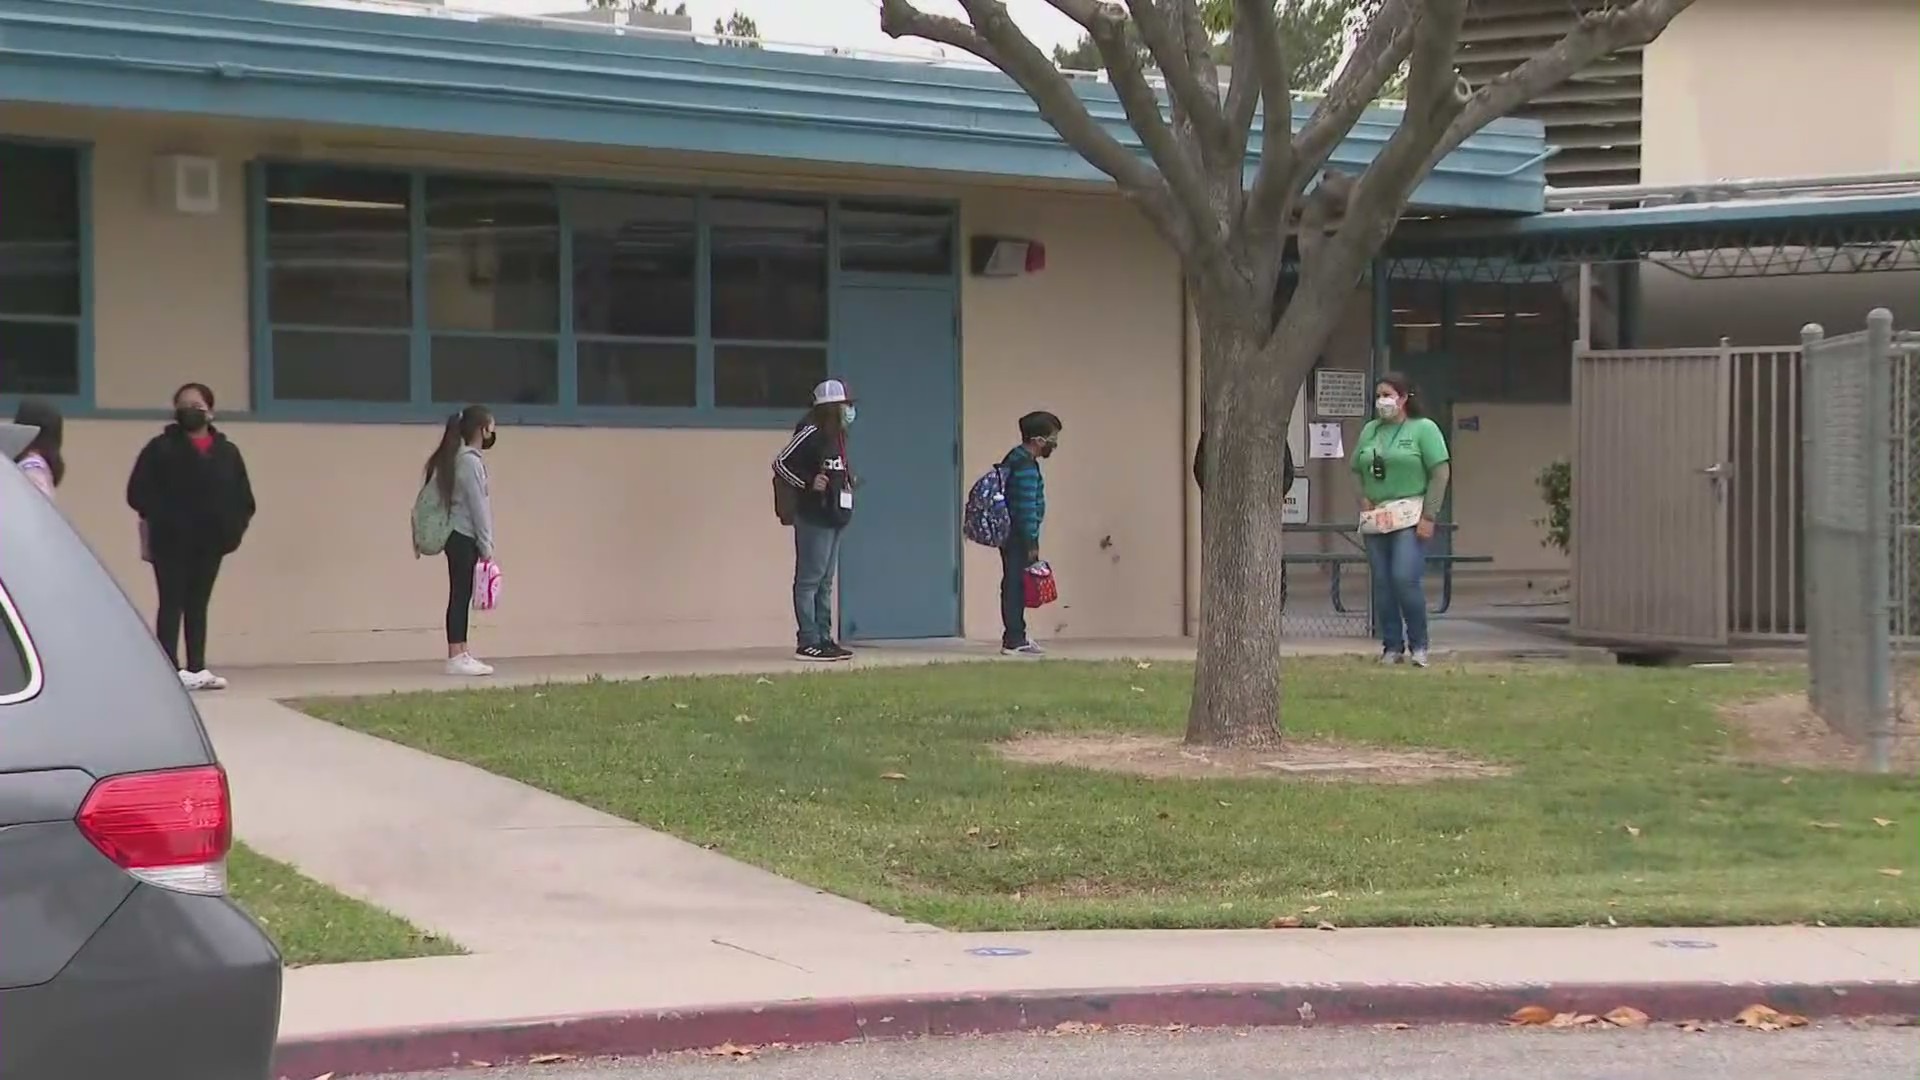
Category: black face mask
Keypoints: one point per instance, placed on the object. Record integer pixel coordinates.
(487, 440)
(190, 418)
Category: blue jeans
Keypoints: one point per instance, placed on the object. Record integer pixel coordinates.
(1398, 562)
(816, 554)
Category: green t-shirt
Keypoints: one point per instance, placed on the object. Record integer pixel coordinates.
(1410, 449)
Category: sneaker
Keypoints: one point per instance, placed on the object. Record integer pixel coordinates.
(817, 654)
(1029, 650)
(193, 680)
(1419, 658)
(467, 664)
(839, 651)
(1390, 657)
(209, 681)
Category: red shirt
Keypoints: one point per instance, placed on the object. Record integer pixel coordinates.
(202, 441)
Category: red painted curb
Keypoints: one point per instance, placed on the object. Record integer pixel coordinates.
(801, 1023)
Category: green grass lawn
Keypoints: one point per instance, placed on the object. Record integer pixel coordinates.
(1622, 803)
(312, 924)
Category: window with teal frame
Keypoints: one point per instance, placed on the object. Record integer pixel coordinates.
(45, 329)
(383, 294)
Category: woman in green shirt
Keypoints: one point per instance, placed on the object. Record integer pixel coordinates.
(1401, 461)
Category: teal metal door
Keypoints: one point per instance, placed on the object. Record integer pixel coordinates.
(899, 564)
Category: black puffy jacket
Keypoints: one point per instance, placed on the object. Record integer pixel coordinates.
(1200, 465)
(190, 500)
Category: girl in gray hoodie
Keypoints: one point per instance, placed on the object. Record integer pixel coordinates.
(458, 470)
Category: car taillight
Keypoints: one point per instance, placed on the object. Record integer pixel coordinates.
(171, 829)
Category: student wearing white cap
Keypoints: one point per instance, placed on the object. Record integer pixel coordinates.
(813, 474)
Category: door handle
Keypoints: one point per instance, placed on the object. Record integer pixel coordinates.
(1716, 469)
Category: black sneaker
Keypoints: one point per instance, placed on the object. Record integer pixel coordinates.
(839, 651)
(816, 654)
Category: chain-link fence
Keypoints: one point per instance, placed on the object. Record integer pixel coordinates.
(1861, 404)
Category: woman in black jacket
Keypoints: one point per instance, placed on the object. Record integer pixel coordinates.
(190, 488)
(1287, 477)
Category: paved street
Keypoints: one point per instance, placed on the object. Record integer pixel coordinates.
(1335, 1054)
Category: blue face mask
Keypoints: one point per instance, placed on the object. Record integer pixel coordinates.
(847, 413)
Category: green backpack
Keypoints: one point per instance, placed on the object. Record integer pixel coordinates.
(432, 521)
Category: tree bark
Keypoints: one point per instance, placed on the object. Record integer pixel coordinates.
(1236, 681)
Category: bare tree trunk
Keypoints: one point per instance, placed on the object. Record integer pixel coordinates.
(1236, 688)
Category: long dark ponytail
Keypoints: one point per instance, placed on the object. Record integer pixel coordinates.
(461, 429)
(1410, 407)
(34, 412)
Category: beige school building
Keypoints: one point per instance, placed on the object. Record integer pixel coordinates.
(641, 250)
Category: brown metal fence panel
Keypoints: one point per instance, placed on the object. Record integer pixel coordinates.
(1766, 568)
(1650, 477)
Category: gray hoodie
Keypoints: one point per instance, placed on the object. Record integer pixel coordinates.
(472, 504)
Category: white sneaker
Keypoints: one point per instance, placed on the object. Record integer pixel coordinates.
(466, 664)
(1389, 657)
(209, 681)
(1420, 658)
(1028, 650)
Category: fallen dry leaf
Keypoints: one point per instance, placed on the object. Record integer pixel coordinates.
(1144, 665)
(729, 1050)
(894, 776)
(1694, 1026)
(1310, 909)
(324, 1076)
(478, 1064)
(1823, 824)
(1766, 1018)
(1397, 1027)
(1075, 1027)
(1891, 871)
(763, 681)
(1784, 780)
(1531, 1016)
(1627, 1016)
(1633, 831)
(973, 830)
(550, 1059)
(1884, 823)
(743, 718)
(1329, 894)
(1138, 689)
(681, 705)
(1326, 926)
(1284, 922)
(1572, 1020)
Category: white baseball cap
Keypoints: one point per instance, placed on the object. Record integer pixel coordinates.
(831, 392)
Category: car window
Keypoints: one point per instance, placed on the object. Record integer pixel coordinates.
(16, 671)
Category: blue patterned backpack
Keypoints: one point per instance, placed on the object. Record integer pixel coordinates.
(986, 520)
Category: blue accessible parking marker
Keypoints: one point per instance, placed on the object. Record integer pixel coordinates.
(996, 951)
(1683, 943)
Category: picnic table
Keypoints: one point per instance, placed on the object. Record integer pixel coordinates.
(1443, 557)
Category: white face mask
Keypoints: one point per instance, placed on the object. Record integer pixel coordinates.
(847, 413)
(1387, 407)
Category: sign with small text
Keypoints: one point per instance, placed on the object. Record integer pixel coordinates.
(1340, 393)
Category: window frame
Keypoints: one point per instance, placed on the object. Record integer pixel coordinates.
(569, 411)
(82, 400)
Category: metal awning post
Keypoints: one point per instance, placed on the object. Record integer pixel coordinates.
(1586, 306)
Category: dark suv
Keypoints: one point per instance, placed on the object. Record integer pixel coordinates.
(120, 953)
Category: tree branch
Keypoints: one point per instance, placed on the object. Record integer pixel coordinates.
(1001, 44)
(1185, 85)
(1599, 33)
(1435, 97)
(1106, 24)
(1261, 74)
(1385, 46)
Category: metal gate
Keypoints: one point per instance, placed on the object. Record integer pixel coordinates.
(1651, 460)
(1862, 525)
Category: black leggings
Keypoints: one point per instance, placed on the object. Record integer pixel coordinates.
(462, 556)
(185, 582)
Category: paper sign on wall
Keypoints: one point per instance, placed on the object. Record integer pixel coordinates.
(1341, 392)
(1324, 441)
(1294, 511)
